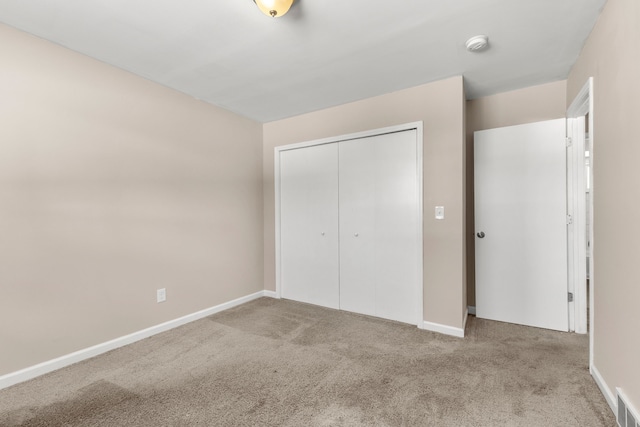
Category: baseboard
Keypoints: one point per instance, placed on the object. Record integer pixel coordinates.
(472, 310)
(443, 329)
(464, 321)
(604, 389)
(22, 375)
(270, 294)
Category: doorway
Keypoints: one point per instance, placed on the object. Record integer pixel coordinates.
(580, 162)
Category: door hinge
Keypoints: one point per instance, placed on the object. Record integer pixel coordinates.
(570, 296)
(569, 141)
(569, 220)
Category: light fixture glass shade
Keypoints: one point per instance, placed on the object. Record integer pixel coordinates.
(275, 8)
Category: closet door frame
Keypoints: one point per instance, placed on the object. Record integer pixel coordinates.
(418, 127)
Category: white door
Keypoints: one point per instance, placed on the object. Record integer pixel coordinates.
(309, 225)
(379, 226)
(520, 217)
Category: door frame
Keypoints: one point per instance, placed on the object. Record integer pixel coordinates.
(418, 127)
(579, 108)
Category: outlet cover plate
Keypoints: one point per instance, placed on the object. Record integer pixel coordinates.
(161, 295)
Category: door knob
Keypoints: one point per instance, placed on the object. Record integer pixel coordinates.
(322, 233)
(481, 234)
(356, 234)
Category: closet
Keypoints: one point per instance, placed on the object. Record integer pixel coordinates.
(350, 225)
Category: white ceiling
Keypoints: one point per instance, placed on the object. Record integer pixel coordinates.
(323, 52)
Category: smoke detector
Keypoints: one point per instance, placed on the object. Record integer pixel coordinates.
(477, 43)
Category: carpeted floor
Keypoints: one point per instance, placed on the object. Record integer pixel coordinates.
(280, 363)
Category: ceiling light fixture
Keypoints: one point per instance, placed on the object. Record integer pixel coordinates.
(477, 43)
(274, 8)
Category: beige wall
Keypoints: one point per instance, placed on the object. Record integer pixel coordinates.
(111, 187)
(440, 106)
(612, 57)
(529, 105)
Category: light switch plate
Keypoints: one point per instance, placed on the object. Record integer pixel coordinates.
(439, 212)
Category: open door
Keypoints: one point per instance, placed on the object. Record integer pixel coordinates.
(520, 217)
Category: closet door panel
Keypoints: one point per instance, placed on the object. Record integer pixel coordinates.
(358, 239)
(397, 228)
(309, 253)
(378, 226)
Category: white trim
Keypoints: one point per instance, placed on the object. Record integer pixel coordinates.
(271, 294)
(418, 126)
(443, 329)
(420, 235)
(576, 236)
(592, 306)
(472, 310)
(25, 374)
(276, 183)
(571, 235)
(464, 321)
(350, 136)
(604, 388)
(583, 104)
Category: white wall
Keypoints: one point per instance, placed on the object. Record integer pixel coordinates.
(612, 57)
(440, 106)
(111, 187)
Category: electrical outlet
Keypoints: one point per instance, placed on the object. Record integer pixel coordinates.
(161, 295)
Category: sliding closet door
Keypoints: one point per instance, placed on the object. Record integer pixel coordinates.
(379, 228)
(309, 225)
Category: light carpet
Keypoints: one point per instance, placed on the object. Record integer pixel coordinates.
(281, 363)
